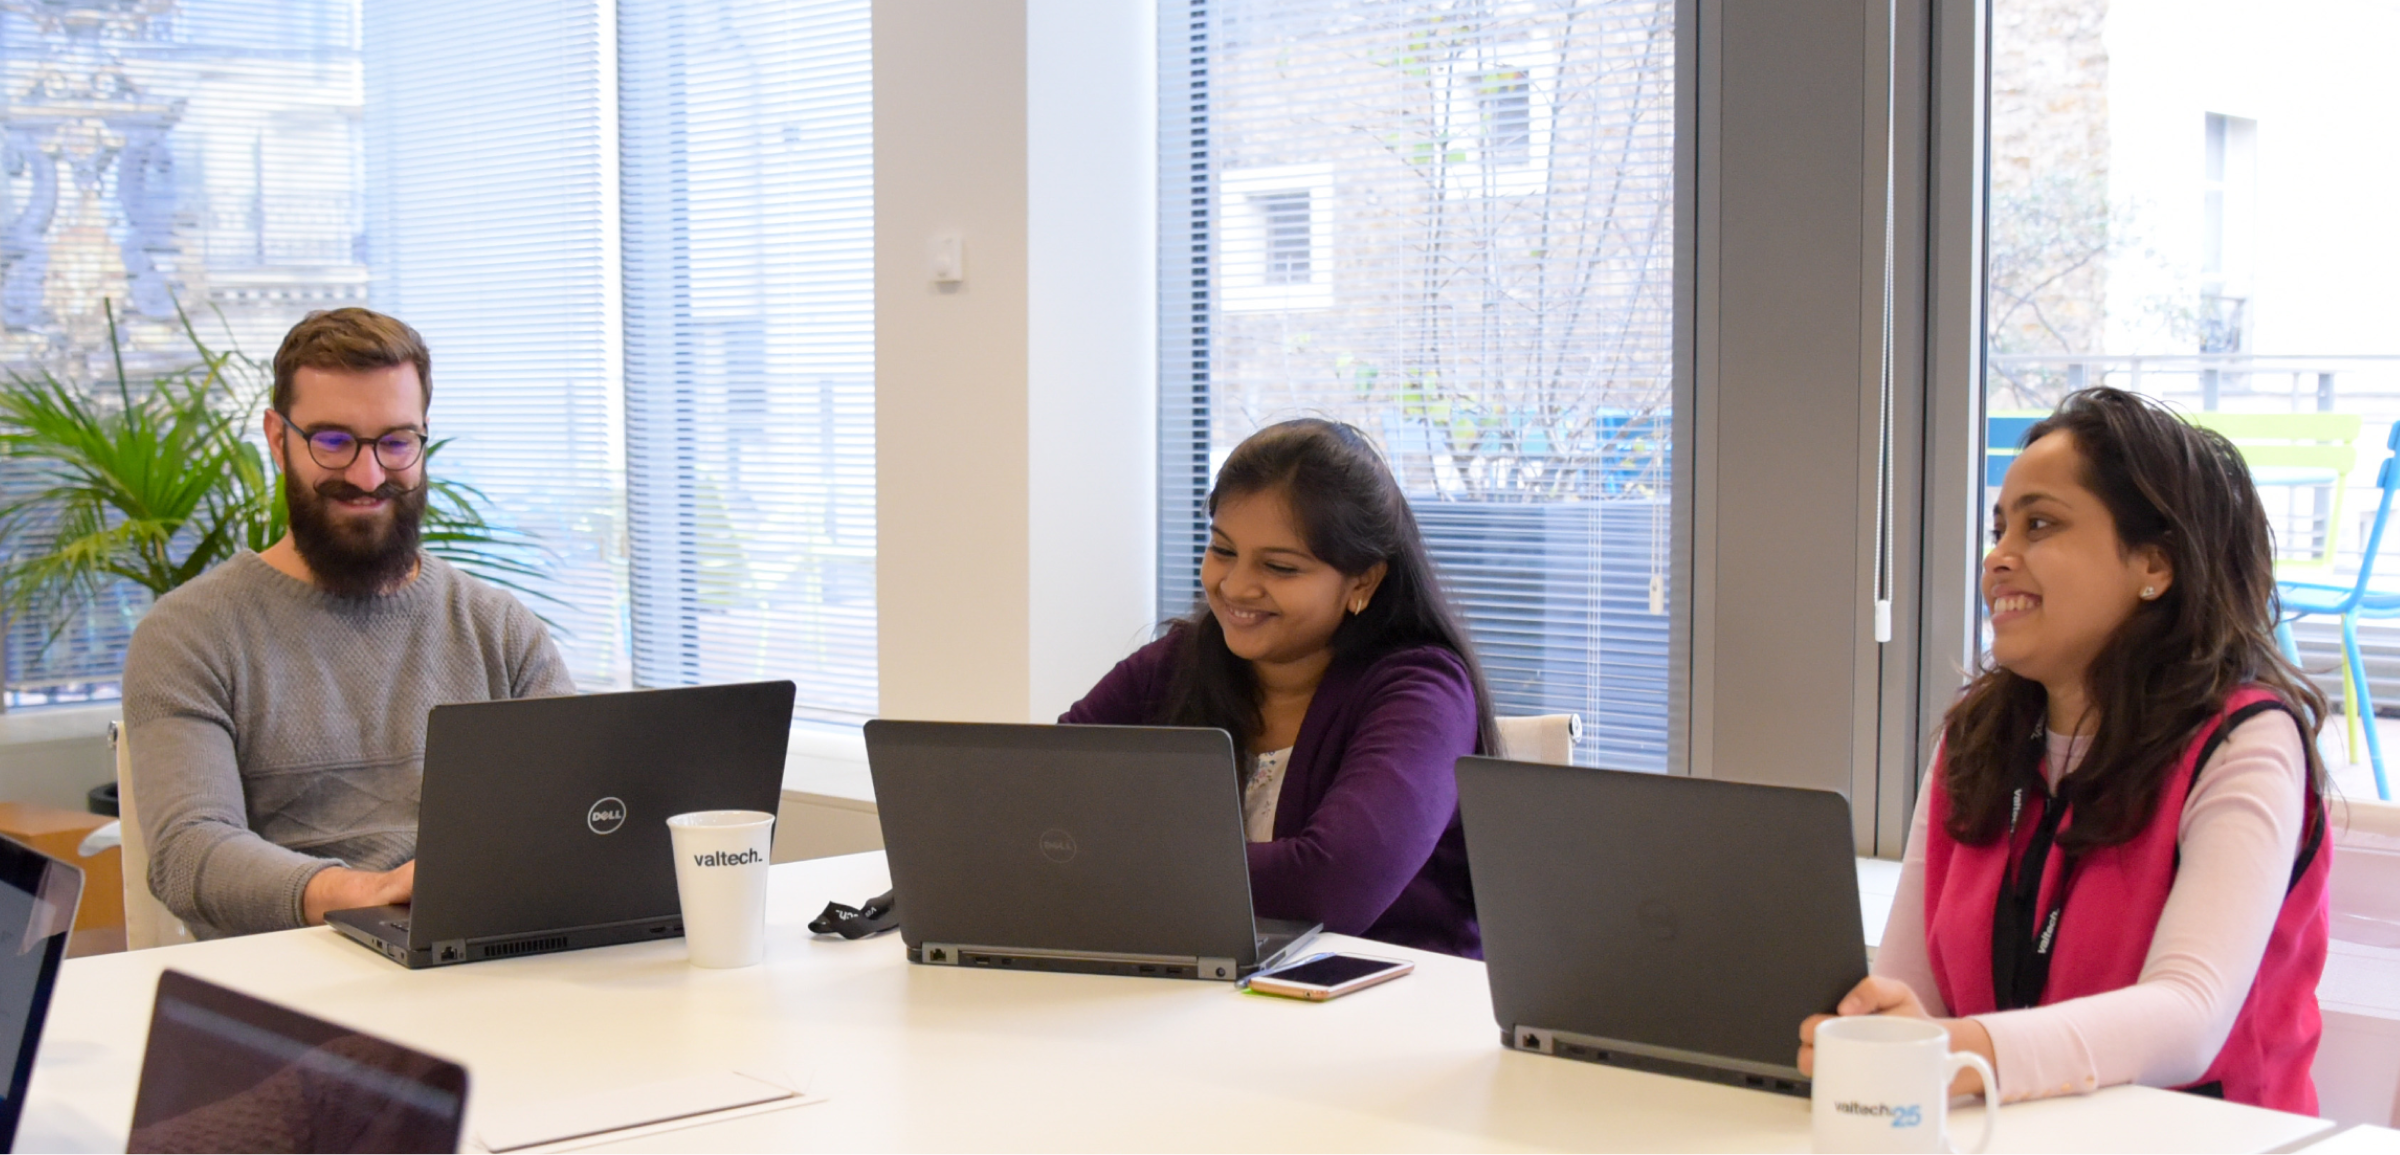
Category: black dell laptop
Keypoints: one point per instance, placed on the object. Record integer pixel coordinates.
(1677, 925)
(1094, 849)
(542, 822)
(38, 896)
(224, 1071)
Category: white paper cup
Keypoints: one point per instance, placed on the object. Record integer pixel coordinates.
(721, 878)
(1883, 1084)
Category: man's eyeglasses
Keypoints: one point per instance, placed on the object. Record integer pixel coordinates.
(337, 448)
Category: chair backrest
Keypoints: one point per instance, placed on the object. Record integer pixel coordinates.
(148, 922)
(2387, 481)
(2358, 1060)
(2366, 872)
(2296, 449)
(1541, 737)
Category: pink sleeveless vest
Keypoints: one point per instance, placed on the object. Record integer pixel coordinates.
(2103, 935)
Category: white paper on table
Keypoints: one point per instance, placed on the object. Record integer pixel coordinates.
(607, 1115)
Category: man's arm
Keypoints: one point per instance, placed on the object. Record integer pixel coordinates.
(536, 669)
(206, 864)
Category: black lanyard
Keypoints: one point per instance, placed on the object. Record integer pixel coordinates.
(2021, 949)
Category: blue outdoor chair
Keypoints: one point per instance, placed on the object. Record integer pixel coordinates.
(2353, 602)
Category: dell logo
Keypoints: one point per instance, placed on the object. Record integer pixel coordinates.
(1057, 845)
(605, 816)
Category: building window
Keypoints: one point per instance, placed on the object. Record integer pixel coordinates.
(1289, 236)
(1505, 100)
(1277, 233)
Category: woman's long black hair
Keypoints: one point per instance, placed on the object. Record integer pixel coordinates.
(1352, 515)
(2168, 669)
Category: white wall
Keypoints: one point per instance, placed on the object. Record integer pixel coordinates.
(1092, 343)
(1015, 424)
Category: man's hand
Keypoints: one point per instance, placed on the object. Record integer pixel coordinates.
(340, 888)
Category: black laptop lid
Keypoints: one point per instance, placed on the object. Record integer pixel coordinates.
(37, 907)
(1121, 839)
(550, 813)
(227, 1072)
(1705, 916)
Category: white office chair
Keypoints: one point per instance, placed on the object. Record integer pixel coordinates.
(2358, 1062)
(1541, 737)
(148, 922)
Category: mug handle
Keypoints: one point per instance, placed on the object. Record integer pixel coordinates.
(1958, 1061)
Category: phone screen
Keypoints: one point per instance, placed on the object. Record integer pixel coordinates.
(1331, 970)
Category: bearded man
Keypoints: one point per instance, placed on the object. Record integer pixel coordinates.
(276, 704)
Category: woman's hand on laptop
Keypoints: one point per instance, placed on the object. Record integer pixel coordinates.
(341, 888)
(1881, 996)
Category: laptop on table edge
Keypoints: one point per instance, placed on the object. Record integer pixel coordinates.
(1088, 849)
(542, 822)
(1678, 925)
(38, 899)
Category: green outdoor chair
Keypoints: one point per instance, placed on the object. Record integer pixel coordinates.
(2296, 449)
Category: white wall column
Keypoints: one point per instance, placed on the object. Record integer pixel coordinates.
(1015, 408)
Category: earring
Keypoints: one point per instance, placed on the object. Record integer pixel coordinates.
(2149, 592)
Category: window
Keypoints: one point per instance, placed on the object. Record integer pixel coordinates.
(2182, 204)
(750, 346)
(1278, 237)
(1505, 100)
(1289, 236)
(642, 260)
(1488, 295)
(204, 154)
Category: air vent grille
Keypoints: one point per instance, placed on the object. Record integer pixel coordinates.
(528, 946)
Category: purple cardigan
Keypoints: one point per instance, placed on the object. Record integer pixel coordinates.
(1367, 834)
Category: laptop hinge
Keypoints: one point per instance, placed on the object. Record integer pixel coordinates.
(1164, 965)
(1652, 1057)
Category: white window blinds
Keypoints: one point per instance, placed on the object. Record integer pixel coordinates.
(490, 167)
(749, 340)
(1452, 226)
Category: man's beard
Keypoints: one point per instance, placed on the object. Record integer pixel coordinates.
(348, 556)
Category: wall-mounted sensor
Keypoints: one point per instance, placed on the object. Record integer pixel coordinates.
(949, 258)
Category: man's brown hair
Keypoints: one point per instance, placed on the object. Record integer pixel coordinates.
(349, 341)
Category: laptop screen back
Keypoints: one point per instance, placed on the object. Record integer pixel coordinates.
(1699, 916)
(1122, 839)
(567, 799)
(37, 906)
(228, 1072)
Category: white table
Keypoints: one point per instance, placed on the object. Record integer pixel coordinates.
(2364, 1139)
(926, 1057)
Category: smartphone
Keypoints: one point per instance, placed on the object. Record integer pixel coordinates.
(1328, 976)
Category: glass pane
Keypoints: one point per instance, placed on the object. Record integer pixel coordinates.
(749, 229)
(1453, 228)
(201, 154)
(2186, 201)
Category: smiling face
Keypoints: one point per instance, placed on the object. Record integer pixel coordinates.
(2058, 580)
(355, 526)
(1277, 602)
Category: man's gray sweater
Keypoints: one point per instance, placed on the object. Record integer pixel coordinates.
(278, 730)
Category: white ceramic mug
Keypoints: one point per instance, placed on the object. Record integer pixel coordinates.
(1882, 1083)
(721, 878)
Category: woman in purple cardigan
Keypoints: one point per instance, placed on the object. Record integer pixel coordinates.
(1324, 646)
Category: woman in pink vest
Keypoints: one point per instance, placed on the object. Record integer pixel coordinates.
(2117, 872)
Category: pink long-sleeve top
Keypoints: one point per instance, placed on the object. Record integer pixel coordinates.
(2240, 830)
